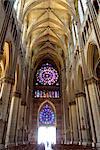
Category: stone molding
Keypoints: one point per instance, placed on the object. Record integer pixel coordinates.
(17, 94)
(80, 94)
(72, 103)
(23, 103)
(91, 79)
(8, 79)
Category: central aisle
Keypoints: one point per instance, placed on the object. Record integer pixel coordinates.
(47, 135)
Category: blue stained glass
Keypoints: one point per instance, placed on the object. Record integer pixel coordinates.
(47, 116)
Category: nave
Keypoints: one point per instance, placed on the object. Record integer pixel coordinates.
(50, 74)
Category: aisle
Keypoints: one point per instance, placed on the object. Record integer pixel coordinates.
(48, 148)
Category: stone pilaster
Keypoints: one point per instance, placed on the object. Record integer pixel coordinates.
(7, 83)
(20, 124)
(82, 118)
(24, 30)
(73, 123)
(78, 122)
(94, 106)
(25, 125)
(12, 121)
(20, 9)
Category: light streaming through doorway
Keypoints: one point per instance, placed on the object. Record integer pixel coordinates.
(47, 134)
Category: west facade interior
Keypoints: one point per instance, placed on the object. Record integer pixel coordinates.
(50, 74)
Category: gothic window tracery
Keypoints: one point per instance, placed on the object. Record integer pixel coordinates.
(47, 75)
(46, 82)
(46, 115)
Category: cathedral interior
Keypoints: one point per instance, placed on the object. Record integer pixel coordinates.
(50, 74)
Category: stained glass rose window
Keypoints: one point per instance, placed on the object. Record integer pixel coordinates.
(47, 115)
(47, 75)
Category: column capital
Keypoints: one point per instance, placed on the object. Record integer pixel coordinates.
(8, 79)
(17, 94)
(23, 103)
(91, 79)
(72, 103)
(80, 94)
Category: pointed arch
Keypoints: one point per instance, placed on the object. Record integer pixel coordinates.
(80, 79)
(18, 77)
(1, 69)
(53, 111)
(48, 53)
(92, 58)
(7, 56)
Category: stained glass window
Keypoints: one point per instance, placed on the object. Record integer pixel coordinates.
(47, 115)
(46, 81)
(47, 75)
(46, 94)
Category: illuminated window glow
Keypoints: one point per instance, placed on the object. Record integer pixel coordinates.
(46, 82)
(47, 116)
(46, 94)
(47, 75)
(47, 134)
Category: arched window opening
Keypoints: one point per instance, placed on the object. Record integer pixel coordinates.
(92, 58)
(84, 5)
(46, 116)
(96, 6)
(6, 4)
(6, 55)
(16, 4)
(87, 27)
(95, 57)
(47, 125)
(46, 81)
(80, 11)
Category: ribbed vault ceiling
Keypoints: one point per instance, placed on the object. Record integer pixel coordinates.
(48, 23)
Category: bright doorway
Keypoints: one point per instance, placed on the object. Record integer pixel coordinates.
(47, 135)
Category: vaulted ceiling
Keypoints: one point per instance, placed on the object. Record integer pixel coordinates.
(48, 23)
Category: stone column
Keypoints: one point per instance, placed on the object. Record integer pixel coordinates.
(64, 106)
(24, 30)
(94, 106)
(18, 126)
(78, 121)
(71, 127)
(20, 9)
(5, 102)
(25, 125)
(74, 125)
(23, 122)
(20, 123)
(13, 118)
(82, 115)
